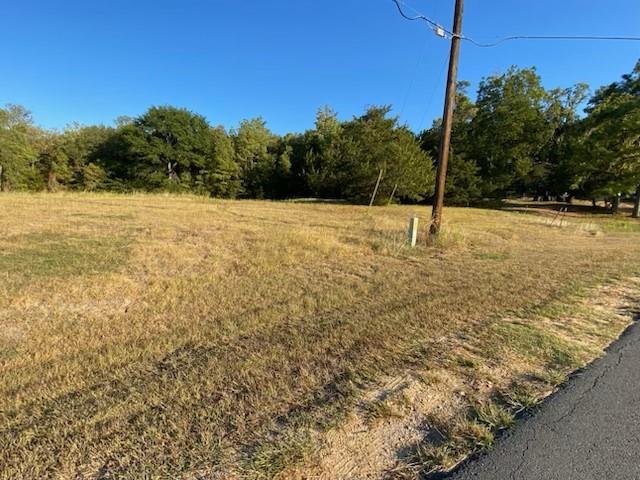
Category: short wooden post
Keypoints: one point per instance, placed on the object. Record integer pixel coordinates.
(393, 192)
(413, 231)
(375, 190)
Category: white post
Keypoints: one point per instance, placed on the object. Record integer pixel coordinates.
(413, 231)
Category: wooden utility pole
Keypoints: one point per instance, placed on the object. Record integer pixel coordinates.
(447, 121)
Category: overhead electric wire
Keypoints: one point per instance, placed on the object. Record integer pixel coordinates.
(549, 37)
(437, 27)
(413, 77)
(433, 23)
(432, 94)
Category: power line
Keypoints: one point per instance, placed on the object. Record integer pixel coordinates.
(413, 77)
(435, 26)
(549, 37)
(443, 32)
(432, 95)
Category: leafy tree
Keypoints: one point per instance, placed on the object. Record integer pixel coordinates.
(72, 159)
(82, 145)
(511, 132)
(464, 185)
(322, 155)
(253, 142)
(113, 156)
(562, 114)
(606, 151)
(18, 151)
(54, 161)
(222, 177)
(168, 148)
(93, 177)
(282, 183)
(373, 143)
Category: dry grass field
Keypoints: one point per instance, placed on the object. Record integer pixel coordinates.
(168, 337)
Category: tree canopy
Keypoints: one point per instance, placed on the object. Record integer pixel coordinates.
(515, 138)
(606, 148)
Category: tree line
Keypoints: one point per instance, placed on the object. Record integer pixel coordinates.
(515, 138)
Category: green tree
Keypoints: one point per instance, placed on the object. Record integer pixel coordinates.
(113, 156)
(464, 185)
(606, 151)
(168, 148)
(511, 132)
(72, 159)
(282, 183)
(83, 148)
(253, 143)
(93, 177)
(563, 116)
(322, 153)
(222, 177)
(372, 143)
(18, 149)
(53, 161)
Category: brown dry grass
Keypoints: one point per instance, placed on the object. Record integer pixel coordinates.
(180, 337)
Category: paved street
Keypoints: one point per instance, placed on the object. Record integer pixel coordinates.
(588, 430)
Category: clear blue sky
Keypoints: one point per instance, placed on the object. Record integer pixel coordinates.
(92, 61)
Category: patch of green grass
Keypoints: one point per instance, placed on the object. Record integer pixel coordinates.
(472, 436)
(467, 435)
(467, 362)
(520, 398)
(497, 256)
(448, 238)
(553, 377)
(493, 416)
(59, 255)
(7, 352)
(428, 379)
(463, 439)
(627, 225)
(435, 458)
(531, 341)
(271, 458)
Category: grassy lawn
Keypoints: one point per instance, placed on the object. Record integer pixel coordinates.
(183, 337)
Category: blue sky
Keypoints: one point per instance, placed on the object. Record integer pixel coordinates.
(92, 61)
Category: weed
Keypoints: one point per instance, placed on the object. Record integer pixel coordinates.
(271, 458)
(520, 398)
(472, 435)
(467, 362)
(493, 416)
(448, 238)
(553, 377)
(437, 458)
(379, 410)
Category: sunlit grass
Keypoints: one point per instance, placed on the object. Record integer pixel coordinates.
(166, 336)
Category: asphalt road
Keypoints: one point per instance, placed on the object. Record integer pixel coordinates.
(590, 429)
